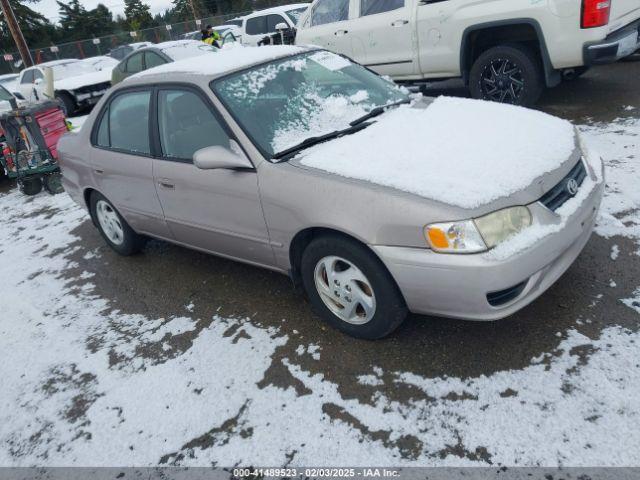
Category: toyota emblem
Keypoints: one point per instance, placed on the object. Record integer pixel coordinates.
(572, 187)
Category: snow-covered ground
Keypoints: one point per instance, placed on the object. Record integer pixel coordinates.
(77, 388)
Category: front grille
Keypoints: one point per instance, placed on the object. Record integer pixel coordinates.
(98, 87)
(497, 299)
(558, 195)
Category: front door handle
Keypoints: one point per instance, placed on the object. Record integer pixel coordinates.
(98, 171)
(399, 23)
(166, 184)
(339, 33)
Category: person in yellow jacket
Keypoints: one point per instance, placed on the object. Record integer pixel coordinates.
(211, 37)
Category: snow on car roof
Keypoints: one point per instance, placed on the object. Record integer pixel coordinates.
(462, 152)
(54, 63)
(226, 60)
(280, 9)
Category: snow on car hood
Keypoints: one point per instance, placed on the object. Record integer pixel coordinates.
(78, 81)
(462, 152)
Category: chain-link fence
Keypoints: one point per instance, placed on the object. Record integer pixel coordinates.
(11, 62)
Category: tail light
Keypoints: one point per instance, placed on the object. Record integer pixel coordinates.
(595, 13)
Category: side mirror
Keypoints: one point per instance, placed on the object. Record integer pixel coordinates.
(38, 82)
(282, 26)
(217, 157)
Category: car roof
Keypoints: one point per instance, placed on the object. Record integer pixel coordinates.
(226, 61)
(280, 9)
(53, 63)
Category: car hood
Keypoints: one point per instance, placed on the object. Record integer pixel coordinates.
(84, 80)
(460, 152)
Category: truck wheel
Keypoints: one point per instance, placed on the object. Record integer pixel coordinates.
(507, 74)
(67, 103)
(30, 186)
(113, 228)
(350, 289)
(53, 183)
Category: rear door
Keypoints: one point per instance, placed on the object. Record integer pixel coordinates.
(215, 210)
(328, 25)
(382, 36)
(122, 162)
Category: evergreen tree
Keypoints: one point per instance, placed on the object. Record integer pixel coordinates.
(137, 14)
(74, 20)
(35, 27)
(101, 20)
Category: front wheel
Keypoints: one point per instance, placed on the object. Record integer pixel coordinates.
(67, 103)
(350, 288)
(113, 228)
(507, 74)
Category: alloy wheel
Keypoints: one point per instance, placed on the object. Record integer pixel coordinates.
(502, 81)
(109, 222)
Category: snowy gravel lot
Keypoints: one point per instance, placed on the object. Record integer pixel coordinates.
(186, 373)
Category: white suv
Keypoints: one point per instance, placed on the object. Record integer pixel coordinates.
(506, 51)
(261, 24)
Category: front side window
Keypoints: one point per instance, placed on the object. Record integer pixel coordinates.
(125, 123)
(27, 77)
(37, 74)
(273, 21)
(187, 124)
(329, 11)
(134, 64)
(152, 59)
(257, 26)
(284, 102)
(371, 7)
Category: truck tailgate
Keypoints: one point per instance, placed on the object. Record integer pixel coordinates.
(623, 12)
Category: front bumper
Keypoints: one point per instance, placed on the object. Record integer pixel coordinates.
(457, 286)
(617, 45)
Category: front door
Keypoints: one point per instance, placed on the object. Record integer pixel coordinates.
(382, 36)
(215, 210)
(329, 26)
(122, 163)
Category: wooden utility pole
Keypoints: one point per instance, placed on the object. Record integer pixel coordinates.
(14, 28)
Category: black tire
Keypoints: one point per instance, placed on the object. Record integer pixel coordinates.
(53, 183)
(131, 244)
(30, 186)
(67, 103)
(390, 310)
(514, 71)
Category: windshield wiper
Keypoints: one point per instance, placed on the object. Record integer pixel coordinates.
(311, 141)
(374, 112)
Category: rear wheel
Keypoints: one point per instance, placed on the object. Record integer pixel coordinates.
(30, 186)
(350, 288)
(53, 183)
(67, 103)
(507, 74)
(113, 228)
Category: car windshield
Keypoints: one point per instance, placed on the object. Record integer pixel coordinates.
(295, 14)
(8, 81)
(188, 50)
(71, 69)
(285, 102)
(5, 96)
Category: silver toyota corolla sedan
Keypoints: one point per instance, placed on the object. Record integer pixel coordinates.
(374, 201)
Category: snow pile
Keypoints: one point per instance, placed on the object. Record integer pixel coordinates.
(619, 143)
(463, 152)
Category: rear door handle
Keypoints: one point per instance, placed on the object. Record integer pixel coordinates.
(341, 32)
(166, 184)
(399, 23)
(98, 171)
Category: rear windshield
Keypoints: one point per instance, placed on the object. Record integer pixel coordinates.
(188, 50)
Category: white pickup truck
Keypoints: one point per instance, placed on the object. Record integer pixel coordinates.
(504, 50)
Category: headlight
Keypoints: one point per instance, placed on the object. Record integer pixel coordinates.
(498, 226)
(478, 235)
(455, 237)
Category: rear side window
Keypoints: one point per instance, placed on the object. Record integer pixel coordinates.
(125, 124)
(272, 21)
(134, 64)
(371, 7)
(329, 11)
(257, 26)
